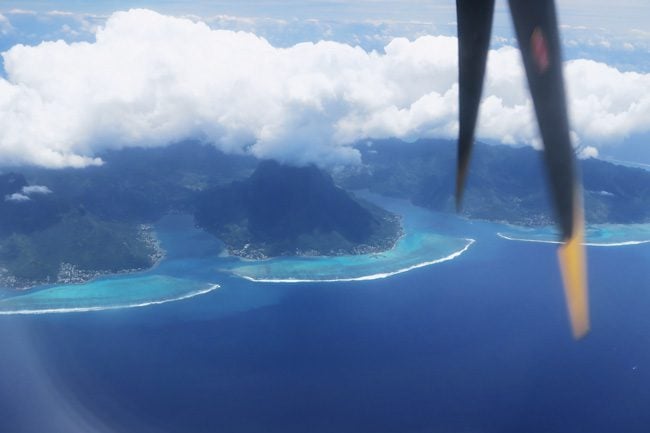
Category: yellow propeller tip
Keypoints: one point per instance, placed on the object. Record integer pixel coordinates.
(573, 266)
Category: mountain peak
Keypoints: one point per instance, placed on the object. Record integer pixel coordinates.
(287, 210)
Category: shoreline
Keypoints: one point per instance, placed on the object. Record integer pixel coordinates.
(210, 288)
(371, 277)
(70, 274)
(588, 244)
(256, 255)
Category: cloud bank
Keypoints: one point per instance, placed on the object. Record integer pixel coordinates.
(150, 79)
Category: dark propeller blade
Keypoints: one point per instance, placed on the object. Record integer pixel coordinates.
(474, 28)
(539, 43)
(537, 33)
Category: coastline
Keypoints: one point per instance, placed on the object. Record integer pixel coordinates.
(371, 277)
(210, 288)
(588, 244)
(71, 274)
(250, 252)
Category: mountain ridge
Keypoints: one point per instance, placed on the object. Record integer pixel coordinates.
(285, 210)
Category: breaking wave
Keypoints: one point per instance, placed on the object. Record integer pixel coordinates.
(377, 276)
(589, 244)
(29, 311)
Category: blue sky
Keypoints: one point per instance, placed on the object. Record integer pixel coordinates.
(616, 40)
(591, 28)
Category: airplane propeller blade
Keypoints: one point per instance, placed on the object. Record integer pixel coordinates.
(539, 42)
(474, 28)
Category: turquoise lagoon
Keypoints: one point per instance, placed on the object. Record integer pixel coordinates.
(105, 294)
(180, 275)
(425, 242)
(596, 235)
(197, 263)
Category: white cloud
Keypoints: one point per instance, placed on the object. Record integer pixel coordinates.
(57, 13)
(5, 25)
(26, 192)
(588, 152)
(607, 104)
(150, 79)
(17, 197)
(36, 189)
(17, 11)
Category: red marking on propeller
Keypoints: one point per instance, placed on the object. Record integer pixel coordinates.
(540, 50)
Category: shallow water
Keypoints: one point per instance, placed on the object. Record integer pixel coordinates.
(597, 235)
(421, 245)
(183, 273)
(195, 264)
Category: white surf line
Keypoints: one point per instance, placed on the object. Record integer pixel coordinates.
(589, 244)
(108, 307)
(366, 277)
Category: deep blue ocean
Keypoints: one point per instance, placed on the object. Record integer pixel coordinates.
(476, 344)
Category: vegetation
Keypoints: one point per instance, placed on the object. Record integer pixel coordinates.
(91, 222)
(282, 210)
(505, 183)
(78, 239)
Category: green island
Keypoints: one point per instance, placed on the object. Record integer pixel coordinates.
(72, 225)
